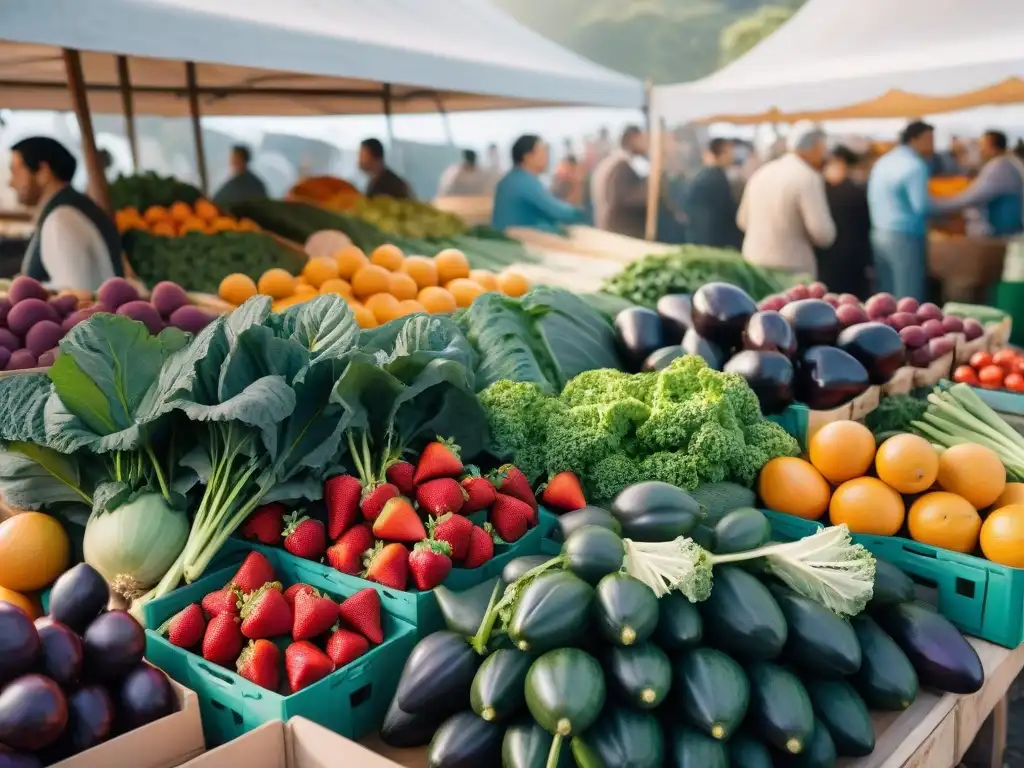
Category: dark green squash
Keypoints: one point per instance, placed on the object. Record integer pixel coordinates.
(626, 609)
(553, 611)
(640, 674)
(496, 693)
(710, 690)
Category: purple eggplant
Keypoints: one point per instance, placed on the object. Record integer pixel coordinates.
(61, 658)
(769, 374)
(720, 313)
(769, 331)
(877, 346)
(827, 377)
(78, 596)
(676, 310)
(695, 344)
(638, 333)
(145, 695)
(19, 642)
(114, 645)
(814, 322)
(660, 358)
(33, 713)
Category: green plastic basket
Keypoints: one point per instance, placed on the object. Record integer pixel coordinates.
(351, 701)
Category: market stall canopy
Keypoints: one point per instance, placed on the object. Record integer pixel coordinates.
(873, 58)
(300, 57)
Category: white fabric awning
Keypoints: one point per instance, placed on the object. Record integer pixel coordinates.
(295, 57)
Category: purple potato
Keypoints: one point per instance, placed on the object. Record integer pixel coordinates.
(797, 292)
(48, 357)
(190, 318)
(901, 320)
(115, 292)
(27, 313)
(920, 357)
(61, 658)
(933, 328)
(167, 297)
(953, 324)
(913, 336)
(941, 346)
(19, 642)
(8, 340)
(145, 313)
(929, 311)
(65, 304)
(772, 303)
(848, 298)
(5, 357)
(907, 304)
(21, 360)
(880, 305)
(851, 314)
(33, 713)
(43, 336)
(973, 329)
(817, 290)
(23, 287)
(5, 307)
(77, 317)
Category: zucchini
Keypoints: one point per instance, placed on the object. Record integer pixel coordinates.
(565, 693)
(623, 738)
(497, 689)
(464, 741)
(584, 756)
(656, 511)
(463, 611)
(819, 752)
(721, 498)
(588, 515)
(711, 691)
(679, 623)
(845, 715)
(741, 617)
(747, 752)
(517, 567)
(818, 640)
(640, 674)
(439, 670)
(626, 609)
(892, 585)
(400, 729)
(592, 552)
(780, 708)
(688, 748)
(553, 611)
(886, 678)
(741, 530)
(526, 745)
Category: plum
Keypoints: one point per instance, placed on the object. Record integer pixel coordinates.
(797, 292)
(817, 290)
(772, 303)
(76, 317)
(907, 304)
(43, 336)
(27, 313)
(952, 324)
(115, 292)
(144, 312)
(26, 288)
(921, 357)
(47, 358)
(929, 311)
(20, 360)
(167, 297)
(851, 314)
(973, 329)
(5, 357)
(8, 340)
(848, 298)
(943, 345)
(65, 304)
(190, 318)
(913, 336)
(932, 328)
(880, 305)
(901, 320)
(5, 307)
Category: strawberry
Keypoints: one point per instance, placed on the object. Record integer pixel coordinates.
(481, 546)
(361, 611)
(441, 495)
(266, 613)
(314, 615)
(222, 641)
(265, 523)
(222, 601)
(341, 495)
(398, 521)
(346, 554)
(563, 492)
(439, 459)
(387, 565)
(374, 499)
(480, 494)
(455, 531)
(304, 537)
(400, 475)
(253, 573)
(305, 664)
(511, 517)
(510, 480)
(185, 628)
(344, 646)
(259, 663)
(430, 563)
(295, 589)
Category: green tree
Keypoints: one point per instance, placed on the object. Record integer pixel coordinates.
(746, 32)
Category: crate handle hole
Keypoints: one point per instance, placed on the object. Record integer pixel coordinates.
(922, 552)
(360, 696)
(216, 704)
(217, 674)
(237, 718)
(965, 588)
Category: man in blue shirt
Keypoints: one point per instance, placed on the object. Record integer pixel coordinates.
(521, 200)
(898, 202)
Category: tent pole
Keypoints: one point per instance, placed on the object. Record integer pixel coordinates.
(656, 150)
(76, 84)
(197, 129)
(386, 95)
(128, 107)
(445, 119)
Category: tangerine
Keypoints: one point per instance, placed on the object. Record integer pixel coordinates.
(842, 450)
(363, 316)
(421, 269)
(237, 289)
(1002, 536)
(451, 264)
(484, 278)
(369, 280)
(409, 307)
(973, 471)
(336, 285)
(513, 284)
(179, 211)
(464, 290)
(907, 463)
(276, 283)
(436, 300)
(867, 505)
(319, 270)
(944, 520)
(205, 209)
(384, 306)
(350, 260)
(388, 256)
(402, 286)
(794, 487)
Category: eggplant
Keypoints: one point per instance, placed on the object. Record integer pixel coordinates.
(768, 331)
(623, 737)
(145, 695)
(827, 377)
(19, 642)
(439, 670)
(62, 655)
(33, 713)
(721, 312)
(588, 515)
(515, 568)
(676, 310)
(695, 344)
(660, 358)
(638, 333)
(464, 611)
(769, 374)
(465, 741)
(78, 597)
(526, 745)
(941, 656)
(656, 511)
(814, 322)
(402, 730)
(877, 346)
(90, 719)
(114, 646)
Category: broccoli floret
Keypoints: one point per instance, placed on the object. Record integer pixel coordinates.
(605, 386)
(715, 448)
(611, 474)
(578, 437)
(675, 467)
(517, 416)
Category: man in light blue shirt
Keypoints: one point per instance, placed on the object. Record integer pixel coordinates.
(898, 201)
(521, 200)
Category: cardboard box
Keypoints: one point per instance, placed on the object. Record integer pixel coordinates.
(166, 743)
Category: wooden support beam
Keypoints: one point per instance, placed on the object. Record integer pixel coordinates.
(98, 188)
(124, 81)
(197, 129)
(655, 151)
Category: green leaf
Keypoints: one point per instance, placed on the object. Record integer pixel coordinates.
(501, 333)
(33, 476)
(325, 326)
(23, 407)
(108, 496)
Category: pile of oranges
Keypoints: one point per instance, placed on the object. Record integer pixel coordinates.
(957, 499)
(181, 219)
(380, 287)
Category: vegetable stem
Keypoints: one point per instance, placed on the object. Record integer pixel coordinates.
(164, 490)
(355, 457)
(556, 748)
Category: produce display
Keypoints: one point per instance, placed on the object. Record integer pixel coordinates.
(406, 218)
(1002, 370)
(329, 191)
(181, 218)
(147, 189)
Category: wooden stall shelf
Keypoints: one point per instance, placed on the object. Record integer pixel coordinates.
(934, 373)
(922, 736)
(967, 266)
(1002, 666)
(901, 382)
(475, 209)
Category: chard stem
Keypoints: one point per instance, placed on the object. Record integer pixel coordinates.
(164, 490)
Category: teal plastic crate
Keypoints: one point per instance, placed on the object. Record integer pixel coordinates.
(789, 527)
(1004, 402)
(351, 701)
(794, 420)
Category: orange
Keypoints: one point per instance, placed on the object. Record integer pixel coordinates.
(336, 285)
(437, 301)
(155, 213)
(237, 288)
(793, 486)
(867, 505)
(163, 228)
(451, 264)
(402, 286)
(34, 550)
(1013, 493)
(973, 471)
(301, 280)
(276, 283)
(305, 289)
(384, 307)
(27, 604)
(247, 225)
(364, 316)
(907, 463)
(944, 520)
(222, 224)
(319, 270)
(192, 224)
(388, 256)
(464, 290)
(421, 269)
(179, 211)
(290, 301)
(1002, 536)
(484, 278)
(842, 451)
(206, 210)
(369, 280)
(513, 284)
(350, 260)
(409, 307)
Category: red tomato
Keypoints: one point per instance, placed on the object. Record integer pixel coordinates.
(980, 359)
(965, 375)
(1014, 382)
(991, 377)
(1005, 358)
(1018, 367)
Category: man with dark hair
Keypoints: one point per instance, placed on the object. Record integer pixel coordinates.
(383, 182)
(845, 266)
(76, 244)
(617, 189)
(243, 184)
(521, 200)
(710, 204)
(464, 179)
(899, 207)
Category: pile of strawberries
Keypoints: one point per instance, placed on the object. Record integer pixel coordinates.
(317, 634)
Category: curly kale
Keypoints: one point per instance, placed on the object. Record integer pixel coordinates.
(606, 386)
(518, 414)
(579, 437)
(675, 467)
(611, 474)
